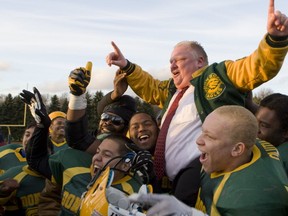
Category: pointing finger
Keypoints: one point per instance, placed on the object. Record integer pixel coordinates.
(115, 47)
(271, 8)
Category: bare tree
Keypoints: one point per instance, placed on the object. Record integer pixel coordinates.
(264, 92)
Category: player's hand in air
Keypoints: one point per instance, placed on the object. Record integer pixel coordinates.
(79, 79)
(36, 106)
(277, 24)
(116, 57)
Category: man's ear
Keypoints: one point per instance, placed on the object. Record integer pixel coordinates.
(238, 149)
(200, 62)
(50, 128)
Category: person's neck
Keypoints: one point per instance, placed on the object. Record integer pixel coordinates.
(58, 139)
(183, 88)
(118, 175)
(237, 162)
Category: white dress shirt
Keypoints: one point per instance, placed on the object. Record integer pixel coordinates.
(184, 129)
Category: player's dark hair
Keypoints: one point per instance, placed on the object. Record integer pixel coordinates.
(279, 103)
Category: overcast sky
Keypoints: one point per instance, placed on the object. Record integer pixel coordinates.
(41, 41)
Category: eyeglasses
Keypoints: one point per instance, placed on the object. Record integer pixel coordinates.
(116, 120)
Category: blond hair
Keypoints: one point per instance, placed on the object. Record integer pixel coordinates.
(242, 123)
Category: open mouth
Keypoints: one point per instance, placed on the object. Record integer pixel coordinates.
(203, 157)
(96, 168)
(107, 129)
(143, 138)
(175, 73)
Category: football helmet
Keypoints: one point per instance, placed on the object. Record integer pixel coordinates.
(101, 199)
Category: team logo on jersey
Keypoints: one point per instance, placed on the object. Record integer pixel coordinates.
(213, 86)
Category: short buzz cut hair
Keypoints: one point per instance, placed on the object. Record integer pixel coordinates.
(243, 124)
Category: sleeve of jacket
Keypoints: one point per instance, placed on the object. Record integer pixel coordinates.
(151, 90)
(56, 166)
(103, 103)
(259, 67)
(77, 134)
(50, 199)
(37, 154)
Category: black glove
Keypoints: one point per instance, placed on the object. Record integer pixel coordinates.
(79, 79)
(143, 165)
(143, 159)
(36, 106)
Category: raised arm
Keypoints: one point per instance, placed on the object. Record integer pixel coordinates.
(120, 87)
(37, 153)
(78, 81)
(77, 134)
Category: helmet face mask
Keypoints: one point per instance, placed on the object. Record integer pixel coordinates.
(134, 162)
(139, 162)
(123, 165)
(102, 199)
(114, 152)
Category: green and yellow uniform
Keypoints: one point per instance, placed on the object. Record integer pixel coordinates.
(128, 184)
(27, 195)
(71, 169)
(11, 155)
(259, 187)
(95, 201)
(57, 146)
(283, 151)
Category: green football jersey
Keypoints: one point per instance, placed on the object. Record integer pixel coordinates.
(255, 188)
(57, 146)
(283, 151)
(27, 195)
(11, 155)
(71, 169)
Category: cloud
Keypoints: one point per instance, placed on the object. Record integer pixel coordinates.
(4, 66)
(42, 41)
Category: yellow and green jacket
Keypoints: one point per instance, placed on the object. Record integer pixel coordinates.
(224, 83)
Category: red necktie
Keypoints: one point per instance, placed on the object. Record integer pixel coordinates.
(159, 155)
